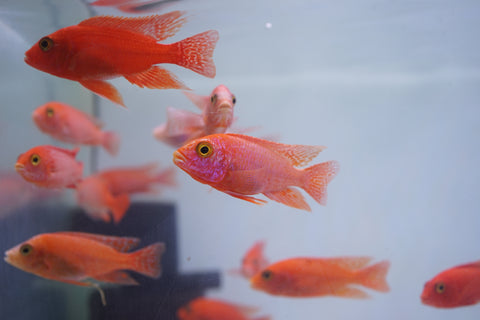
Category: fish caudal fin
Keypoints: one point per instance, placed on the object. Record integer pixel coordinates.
(147, 261)
(111, 142)
(104, 89)
(197, 53)
(373, 277)
(119, 207)
(317, 179)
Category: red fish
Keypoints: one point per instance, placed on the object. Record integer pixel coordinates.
(315, 277)
(242, 166)
(456, 287)
(253, 261)
(104, 47)
(67, 124)
(50, 167)
(137, 179)
(95, 197)
(183, 126)
(73, 257)
(212, 309)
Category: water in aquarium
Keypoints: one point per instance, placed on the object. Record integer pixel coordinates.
(180, 159)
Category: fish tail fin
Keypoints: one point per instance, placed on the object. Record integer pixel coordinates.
(197, 53)
(166, 177)
(111, 142)
(374, 277)
(119, 207)
(317, 178)
(147, 261)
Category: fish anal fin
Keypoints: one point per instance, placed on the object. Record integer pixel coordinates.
(155, 78)
(247, 198)
(159, 27)
(298, 154)
(350, 292)
(290, 197)
(118, 277)
(122, 244)
(104, 89)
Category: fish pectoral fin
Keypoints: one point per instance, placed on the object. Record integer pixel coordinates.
(104, 89)
(118, 277)
(349, 292)
(246, 198)
(290, 197)
(156, 78)
(200, 101)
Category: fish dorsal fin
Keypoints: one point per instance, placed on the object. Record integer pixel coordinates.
(159, 27)
(298, 154)
(122, 244)
(72, 152)
(350, 263)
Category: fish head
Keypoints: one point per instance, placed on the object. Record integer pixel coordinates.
(27, 256)
(34, 165)
(47, 117)
(50, 53)
(271, 280)
(440, 292)
(205, 159)
(218, 116)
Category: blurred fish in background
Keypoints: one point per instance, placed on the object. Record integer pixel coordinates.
(253, 261)
(134, 6)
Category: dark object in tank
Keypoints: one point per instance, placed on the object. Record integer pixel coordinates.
(152, 299)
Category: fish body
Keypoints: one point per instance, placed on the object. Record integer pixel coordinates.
(73, 257)
(253, 261)
(139, 179)
(99, 202)
(50, 167)
(242, 166)
(213, 309)
(316, 277)
(103, 47)
(456, 287)
(67, 124)
(183, 126)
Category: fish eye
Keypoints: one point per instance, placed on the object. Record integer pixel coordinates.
(26, 249)
(204, 149)
(45, 44)
(213, 99)
(267, 274)
(440, 287)
(50, 112)
(234, 100)
(35, 159)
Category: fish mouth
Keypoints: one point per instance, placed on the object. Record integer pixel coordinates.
(19, 167)
(225, 106)
(179, 159)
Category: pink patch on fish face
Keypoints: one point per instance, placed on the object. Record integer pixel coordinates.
(46, 117)
(32, 166)
(205, 160)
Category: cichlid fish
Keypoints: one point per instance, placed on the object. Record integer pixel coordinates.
(67, 124)
(315, 277)
(242, 166)
(105, 47)
(50, 167)
(456, 287)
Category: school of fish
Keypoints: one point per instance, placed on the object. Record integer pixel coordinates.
(239, 165)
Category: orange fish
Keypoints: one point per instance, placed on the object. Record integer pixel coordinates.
(73, 257)
(456, 287)
(253, 261)
(105, 47)
(95, 197)
(67, 124)
(183, 126)
(241, 166)
(137, 179)
(50, 167)
(315, 277)
(212, 309)
(133, 6)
